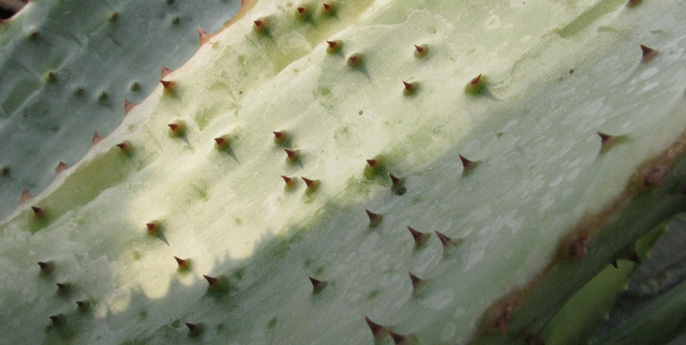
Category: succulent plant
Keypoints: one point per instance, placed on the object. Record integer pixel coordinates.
(359, 172)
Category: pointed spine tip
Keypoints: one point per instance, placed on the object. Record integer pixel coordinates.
(420, 238)
(373, 163)
(183, 264)
(58, 319)
(128, 106)
(647, 53)
(290, 181)
(25, 195)
(63, 288)
(165, 71)
(212, 281)
(168, 85)
(614, 264)
(334, 46)
(397, 338)
(317, 285)
(124, 146)
(420, 51)
(46, 266)
(292, 155)
(355, 60)
(83, 305)
(606, 141)
(417, 283)
(177, 128)
(153, 227)
(204, 35)
(261, 25)
(194, 329)
(280, 137)
(96, 139)
(221, 143)
(38, 212)
(447, 242)
(312, 185)
(477, 85)
(329, 7)
(377, 330)
(374, 218)
(467, 165)
(61, 166)
(410, 88)
(302, 12)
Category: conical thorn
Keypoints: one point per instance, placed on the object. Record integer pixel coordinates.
(38, 212)
(280, 137)
(168, 85)
(467, 165)
(25, 195)
(58, 319)
(221, 143)
(317, 285)
(292, 155)
(374, 218)
(647, 54)
(165, 71)
(312, 185)
(334, 46)
(183, 264)
(194, 329)
(448, 242)
(62, 167)
(153, 227)
(420, 238)
(96, 138)
(204, 35)
(377, 330)
(83, 305)
(46, 266)
(212, 280)
(290, 181)
(421, 50)
(417, 283)
(355, 60)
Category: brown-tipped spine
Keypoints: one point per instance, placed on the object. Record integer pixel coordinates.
(261, 25)
(46, 267)
(83, 306)
(606, 141)
(355, 60)
(292, 155)
(334, 46)
(125, 146)
(420, 238)
(374, 218)
(476, 86)
(329, 7)
(312, 185)
(153, 227)
(280, 137)
(177, 128)
(38, 212)
(214, 282)
(398, 339)
(168, 85)
(96, 139)
(165, 71)
(648, 53)
(317, 285)
(62, 167)
(448, 242)
(632, 3)
(25, 195)
(377, 330)
(417, 283)
(204, 35)
(420, 51)
(184, 264)
(302, 12)
(63, 288)
(410, 88)
(194, 329)
(467, 165)
(58, 320)
(221, 143)
(290, 181)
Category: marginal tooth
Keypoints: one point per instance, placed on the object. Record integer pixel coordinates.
(377, 330)
(420, 238)
(317, 285)
(374, 218)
